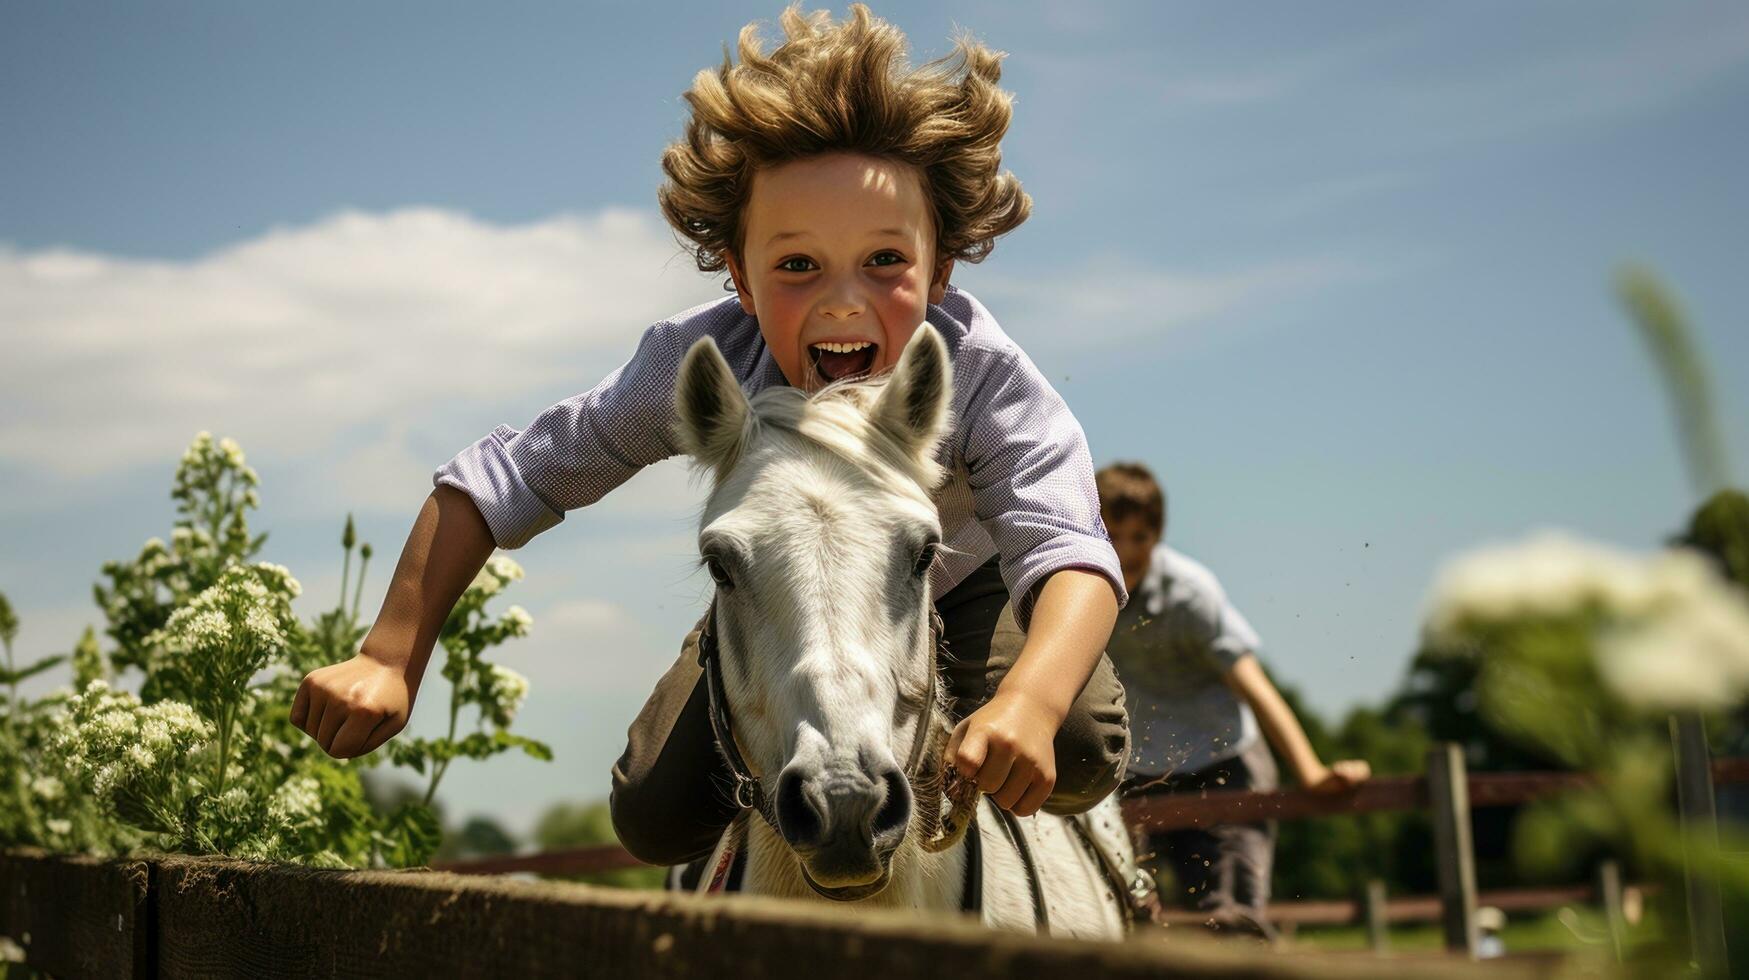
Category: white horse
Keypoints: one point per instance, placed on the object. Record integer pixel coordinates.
(820, 532)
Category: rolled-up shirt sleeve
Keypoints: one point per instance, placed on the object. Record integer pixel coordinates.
(573, 453)
(1032, 481)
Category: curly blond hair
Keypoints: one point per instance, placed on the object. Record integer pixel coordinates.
(844, 87)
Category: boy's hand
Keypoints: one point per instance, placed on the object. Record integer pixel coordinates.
(1006, 748)
(352, 707)
(1343, 775)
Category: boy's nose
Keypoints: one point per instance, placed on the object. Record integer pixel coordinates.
(842, 305)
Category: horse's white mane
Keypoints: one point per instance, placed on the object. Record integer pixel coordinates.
(837, 418)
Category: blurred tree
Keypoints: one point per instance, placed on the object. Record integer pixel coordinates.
(1334, 857)
(482, 837)
(567, 825)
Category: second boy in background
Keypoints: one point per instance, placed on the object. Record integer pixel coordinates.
(1201, 708)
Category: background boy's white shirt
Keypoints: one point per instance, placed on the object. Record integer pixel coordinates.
(1173, 646)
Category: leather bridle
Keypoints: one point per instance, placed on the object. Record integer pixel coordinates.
(924, 772)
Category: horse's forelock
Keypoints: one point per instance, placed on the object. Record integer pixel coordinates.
(836, 418)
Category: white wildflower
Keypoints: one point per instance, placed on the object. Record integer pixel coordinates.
(508, 690)
(233, 452)
(60, 828)
(486, 584)
(1552, 574)
(1673, 634)
(1696, 656)
(297, 800)
(518, 620)
(48, 788)
(505, 568)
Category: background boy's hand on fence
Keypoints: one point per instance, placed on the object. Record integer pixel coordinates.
(352, 707)
(1343, 774)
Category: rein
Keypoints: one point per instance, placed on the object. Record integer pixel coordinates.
(930, 777)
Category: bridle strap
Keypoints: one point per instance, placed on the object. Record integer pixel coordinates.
(749, 793)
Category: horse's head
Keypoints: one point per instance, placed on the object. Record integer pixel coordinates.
(820, 532)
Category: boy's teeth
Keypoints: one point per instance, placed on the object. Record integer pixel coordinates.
(844, 348)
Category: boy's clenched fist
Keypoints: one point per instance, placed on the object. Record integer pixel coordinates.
(352, 707)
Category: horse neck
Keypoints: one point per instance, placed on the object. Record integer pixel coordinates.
(920, 879)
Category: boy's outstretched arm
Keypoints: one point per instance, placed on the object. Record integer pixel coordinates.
(1285, 732)
(352, 707)
(1006, 745)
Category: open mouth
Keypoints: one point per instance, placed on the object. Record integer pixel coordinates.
(850, 893)
(836, 361)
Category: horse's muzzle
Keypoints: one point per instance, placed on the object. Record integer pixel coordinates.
(844, 824)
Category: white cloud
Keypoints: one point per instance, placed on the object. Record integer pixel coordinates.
(1114, 299)
(594, 645)
(299, 338)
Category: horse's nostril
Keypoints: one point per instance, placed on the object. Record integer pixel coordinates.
(895, 812)
(797, 819)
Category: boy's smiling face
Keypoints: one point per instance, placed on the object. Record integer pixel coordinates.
(837, 263)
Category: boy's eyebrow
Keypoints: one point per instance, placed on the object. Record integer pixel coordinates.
(782, 235)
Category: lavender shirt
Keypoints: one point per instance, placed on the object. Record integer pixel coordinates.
(1020, 481)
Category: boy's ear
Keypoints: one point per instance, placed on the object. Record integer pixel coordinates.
(938, 285)
(710, 410)
(913, 407)
(739, 276)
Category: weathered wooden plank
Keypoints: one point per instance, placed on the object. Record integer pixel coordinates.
(77, 917)
(226, 918)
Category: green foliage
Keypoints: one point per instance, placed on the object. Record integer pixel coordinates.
(1334, 857)
(1719, 529)
(205, 759)
(567, 825)
(1665, 330)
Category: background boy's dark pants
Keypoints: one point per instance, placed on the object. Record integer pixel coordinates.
(670, 801)
(1222, 870)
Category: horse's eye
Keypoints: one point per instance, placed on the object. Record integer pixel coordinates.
(718, 573)
(925, 558)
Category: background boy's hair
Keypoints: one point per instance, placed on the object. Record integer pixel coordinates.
(1129, 490)
(845, 87)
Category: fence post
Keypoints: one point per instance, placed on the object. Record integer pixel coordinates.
(1694, 800)
(1609, 896)
(1378, 929)
(1448, 794)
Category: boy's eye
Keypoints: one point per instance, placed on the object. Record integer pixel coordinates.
(791, 264)
(895, 258)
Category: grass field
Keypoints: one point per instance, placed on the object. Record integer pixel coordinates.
(1569, 929)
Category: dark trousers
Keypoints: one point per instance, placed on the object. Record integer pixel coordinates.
(1222, 870)
(669, 800)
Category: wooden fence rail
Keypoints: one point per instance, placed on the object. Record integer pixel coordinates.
(1382, 793)
(170, 917)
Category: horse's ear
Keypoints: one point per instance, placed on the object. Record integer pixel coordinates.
(710, 410)
(914, 406)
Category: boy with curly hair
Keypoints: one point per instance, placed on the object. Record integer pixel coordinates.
(837, 186)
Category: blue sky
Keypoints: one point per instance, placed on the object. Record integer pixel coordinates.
(1340, 273)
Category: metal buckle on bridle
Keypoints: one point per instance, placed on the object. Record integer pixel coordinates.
(746, 789)
(1143, 886)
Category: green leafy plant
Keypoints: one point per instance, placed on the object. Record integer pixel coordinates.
(204, 759)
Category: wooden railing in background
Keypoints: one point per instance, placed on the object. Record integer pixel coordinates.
(1381, 793)
(1447, 792)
